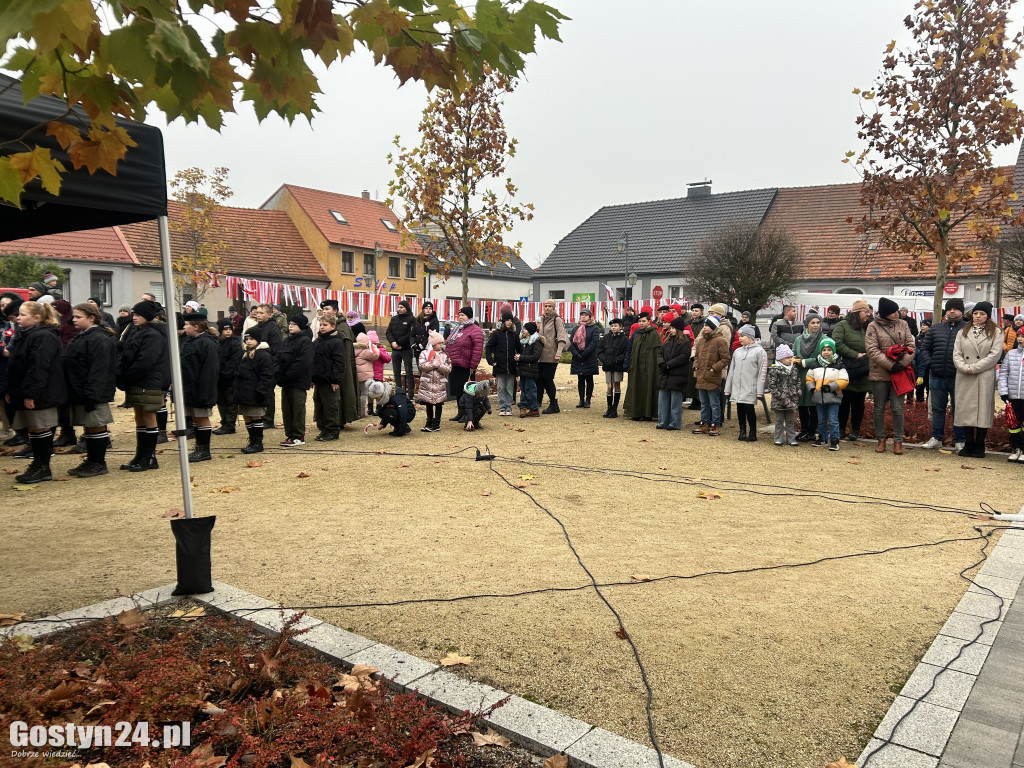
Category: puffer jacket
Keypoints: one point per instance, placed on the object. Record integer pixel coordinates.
(611, 351)
(1011, 374)
(584, 361)
(935, 356)
(466, 346)
(33, 370)
(826, 384)
(199, 365)
(674, 363)
(144, 359)
(784, 386)
(366, 355)
(90, 367)
(501, 349)
(329, 358)
(254, 384)
(382, 356)
(747, 370)
(881, 335)
(400, 329)
(711, 360)
(529, 358)
(230, 357)
(295, 362)
(434, 370)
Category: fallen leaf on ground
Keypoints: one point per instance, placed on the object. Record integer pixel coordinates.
(638, 577)
(931, 469)
(208, 708)
(520, 457)
(302, 474)
(65, 690)
(840, 763)
(485, 493)
(381, 451)
(454, 660)
(452, 445)
(709, 495)
(254, 463)
(159, 450)
(852, 462)
(439, 461)
(100, 705)
(518, 485)
(11, 470)
(10, 619)
(24, 642)
(520, 429)
(527, 477)
(204, 758)
(621, 633)
(25, 487)
(402, 465)
(557, 761)
(947, 453)
(645, 440)
(131, 618)
(174, 513)
(423, 761)
(492, 737)
(298, 762)
(964, 466)
(662, 467)
(227, 489)
(191, 615)
(225, 455)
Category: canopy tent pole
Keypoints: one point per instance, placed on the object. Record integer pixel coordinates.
(177, 388)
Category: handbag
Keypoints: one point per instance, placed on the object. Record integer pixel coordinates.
(903, 381)
(856, 367)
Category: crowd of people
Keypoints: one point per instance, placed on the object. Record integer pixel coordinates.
(816, 372)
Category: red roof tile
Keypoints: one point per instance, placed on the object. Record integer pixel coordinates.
(100, 245)
(364, 226)
(258, 243)
(833, 250)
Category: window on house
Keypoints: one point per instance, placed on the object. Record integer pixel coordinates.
(157, 289)
(388, 225)
(394, 266)
(348, 262)
(101, 287)
(559, 295)
(369, 264)
(338, 217)
(410, 269)
(675, 291)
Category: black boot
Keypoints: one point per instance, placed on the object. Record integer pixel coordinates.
(255, 445)
(80, 446)
(225, 429)
(202, 449)
(581, 386)
(161, 425)
(615, 405)
(752, 434)
(743, 432)
(96, 456)
(553, 408)
(147, 455)
(20, 438)
(608, 414)
(39, 470)
(65, 438)
(140, 438)
(979, 442)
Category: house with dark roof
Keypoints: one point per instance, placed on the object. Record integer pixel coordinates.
(509, 279)
(656, 240)
(358, 241)
(100, 263)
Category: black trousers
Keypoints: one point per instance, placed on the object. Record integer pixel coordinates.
(226, 405)
(547, 381)
(397, 359)
(808, 419)
(456, 381)
(747, 414)
(851, 408)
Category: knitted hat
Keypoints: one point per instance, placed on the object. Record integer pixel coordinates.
(887, 306)
(147, 309)
(712, 322)
(378, 390)
(954, 304)
(645, 313)
(506, 307)
(858, 305)
(299, 320)
(372, 336)
(1018, 317)
(530, 328)
(224, 323)
(968, 307)
(748, 330)
(435, 338)
(783, 351)
(677, 308)
(679, 323)
(406, 304)
(482, 388)
(648, 310)
(826, 342)
(583, 311)
(984, 306)
(505, 316)
(467, 311)
(193, 305)
(668, 317)
(39, 287)
(634, 328)
(124, 308)
(812, 315)
(719, 309)
(833, 309)
(428, 303)
(329, 303)
(352, 314)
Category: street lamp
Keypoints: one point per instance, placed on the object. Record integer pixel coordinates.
(630, 278)
(378, 251)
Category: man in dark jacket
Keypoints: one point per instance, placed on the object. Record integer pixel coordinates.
(674, 365)
(611, 351)
(270, 332)
(400, 336)
(786, 328)
(295, 377)
(935, 359)
(230, 354)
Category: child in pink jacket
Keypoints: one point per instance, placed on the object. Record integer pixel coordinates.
(384, 357)
(367, 356)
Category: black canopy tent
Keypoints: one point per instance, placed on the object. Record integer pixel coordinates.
(88, 201)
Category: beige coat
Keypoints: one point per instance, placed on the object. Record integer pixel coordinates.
(881, 335)
(555, 339)
(976, 392)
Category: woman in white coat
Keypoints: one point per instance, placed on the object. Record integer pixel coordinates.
(976, 353)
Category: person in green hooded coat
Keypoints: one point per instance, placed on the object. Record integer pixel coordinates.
(642, 393)
(348, 391)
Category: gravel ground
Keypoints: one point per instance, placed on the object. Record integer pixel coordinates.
(786, 667)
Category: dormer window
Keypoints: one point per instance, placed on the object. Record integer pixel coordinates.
(388, 225)
(338, 217)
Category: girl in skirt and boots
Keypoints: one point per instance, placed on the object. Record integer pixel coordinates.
(200, 362)
(90, 370)
(34, 388)
(434, 369)
(254, 387)
(145, 377)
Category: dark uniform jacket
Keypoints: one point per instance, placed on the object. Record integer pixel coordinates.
(90, 367)
(254, 384)
(200, 363)
(295, 363)
(34, 371)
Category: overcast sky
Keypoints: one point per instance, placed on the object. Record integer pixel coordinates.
(638, 100)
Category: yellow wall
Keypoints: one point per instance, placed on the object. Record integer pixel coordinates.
(330, 259)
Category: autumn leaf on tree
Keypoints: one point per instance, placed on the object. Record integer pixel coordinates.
(454, 660)
(490, 738)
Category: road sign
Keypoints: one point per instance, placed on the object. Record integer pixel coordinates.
(657, 293)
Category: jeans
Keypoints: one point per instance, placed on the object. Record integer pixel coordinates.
(880, 392)
(670, 408)
(710, 406)
(506, 390)
(528, 393)
(941, 387)
(828, 421)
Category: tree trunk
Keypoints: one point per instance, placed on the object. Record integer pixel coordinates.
(940, 281)
(465, 284)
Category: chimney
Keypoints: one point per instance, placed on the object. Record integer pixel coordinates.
(366, 194)
(699, 189)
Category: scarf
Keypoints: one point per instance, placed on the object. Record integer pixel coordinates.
(809, 342)
(827, 363)
(352, 321)
(533, 338)
(579, 338)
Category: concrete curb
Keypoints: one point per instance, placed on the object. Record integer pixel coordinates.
(921, 738)
(530, 725)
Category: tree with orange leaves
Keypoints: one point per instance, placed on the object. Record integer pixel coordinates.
(931, 123)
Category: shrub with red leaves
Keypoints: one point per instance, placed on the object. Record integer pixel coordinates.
(917, 425)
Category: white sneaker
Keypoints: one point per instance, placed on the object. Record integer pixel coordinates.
(1015, 456)
(1020, 458)
(932, 443)
(958, 446)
